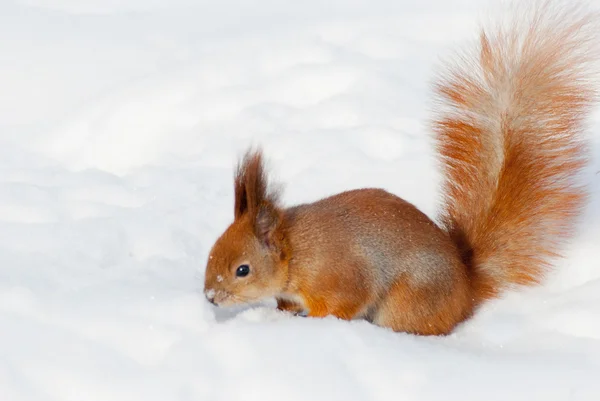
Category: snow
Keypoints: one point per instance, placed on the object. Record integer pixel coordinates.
(120, 122)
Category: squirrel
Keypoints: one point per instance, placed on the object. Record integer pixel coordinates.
(508, 130)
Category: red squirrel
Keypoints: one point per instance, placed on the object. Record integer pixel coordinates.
(509, 133)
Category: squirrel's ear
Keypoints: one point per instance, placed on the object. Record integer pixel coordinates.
(250, 184)
(241, 198)
(266, 225)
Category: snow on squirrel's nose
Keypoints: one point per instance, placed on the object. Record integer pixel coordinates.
(210, 296)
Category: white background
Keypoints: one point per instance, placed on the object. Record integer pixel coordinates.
(120, 123)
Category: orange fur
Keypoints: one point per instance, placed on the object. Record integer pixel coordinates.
(509, 137)
(423, 311)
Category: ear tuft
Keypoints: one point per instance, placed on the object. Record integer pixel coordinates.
(251, 185)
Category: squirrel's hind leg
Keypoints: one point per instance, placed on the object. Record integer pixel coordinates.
(424, 310)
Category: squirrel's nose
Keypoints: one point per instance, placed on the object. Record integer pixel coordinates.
(210, 296)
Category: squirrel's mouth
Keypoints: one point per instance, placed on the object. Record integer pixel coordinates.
(222, 298)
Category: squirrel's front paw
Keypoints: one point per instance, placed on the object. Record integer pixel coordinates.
(288, 306)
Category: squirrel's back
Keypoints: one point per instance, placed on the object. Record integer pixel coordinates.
(338, 236)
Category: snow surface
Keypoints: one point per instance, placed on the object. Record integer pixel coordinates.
(120, 122)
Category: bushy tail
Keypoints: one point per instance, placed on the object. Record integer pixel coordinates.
(509, 134)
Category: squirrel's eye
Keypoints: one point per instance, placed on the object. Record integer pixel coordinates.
(242, 271)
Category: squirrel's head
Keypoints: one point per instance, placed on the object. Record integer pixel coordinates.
(248, 262)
